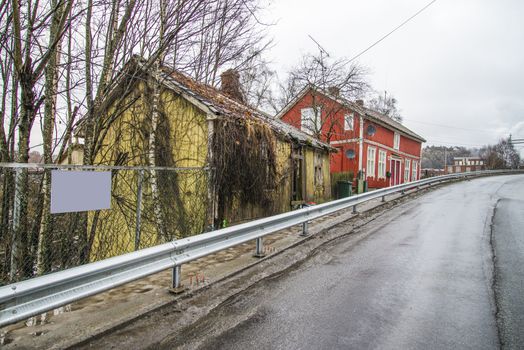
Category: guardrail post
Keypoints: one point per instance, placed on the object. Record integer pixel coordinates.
(383, 199)
(305, 229)
(138, 208)
(259, 251)
(355, 209)
(176, 277)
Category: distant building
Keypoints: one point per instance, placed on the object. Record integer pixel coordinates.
(73, 156)
(466, 164)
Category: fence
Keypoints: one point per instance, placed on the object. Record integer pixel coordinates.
(27, 298)
(149, 206)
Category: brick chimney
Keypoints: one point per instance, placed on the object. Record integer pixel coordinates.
(230, 85)
(360, 102)
(334, 91)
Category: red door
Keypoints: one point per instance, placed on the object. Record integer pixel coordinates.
(395, 172)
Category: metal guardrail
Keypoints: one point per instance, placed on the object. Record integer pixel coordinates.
(21, 300)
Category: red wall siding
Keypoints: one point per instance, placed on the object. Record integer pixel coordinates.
(410, 146)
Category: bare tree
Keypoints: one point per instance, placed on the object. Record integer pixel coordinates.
(257, 83)
(503, 155)
(324, 73)
(386, 105)
(35, 35)
(231, 35)
(336, 78)
(62, 59)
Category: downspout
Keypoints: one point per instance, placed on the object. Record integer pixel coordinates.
(360, 146)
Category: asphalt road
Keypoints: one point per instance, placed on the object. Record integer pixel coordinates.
(443, 271)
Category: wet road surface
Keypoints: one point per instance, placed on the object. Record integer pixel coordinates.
(422, 276)
(508, 243)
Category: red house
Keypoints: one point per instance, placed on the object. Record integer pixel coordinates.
(383, 151)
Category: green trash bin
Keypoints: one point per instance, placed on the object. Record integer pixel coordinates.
(343, 189)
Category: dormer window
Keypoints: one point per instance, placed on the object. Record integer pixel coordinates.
(348, 121)
(310, 120)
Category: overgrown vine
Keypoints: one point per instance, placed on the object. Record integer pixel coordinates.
(245, 163)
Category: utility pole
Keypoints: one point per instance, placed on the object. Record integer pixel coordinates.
(445, 160)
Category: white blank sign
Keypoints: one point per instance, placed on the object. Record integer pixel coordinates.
(73, 191)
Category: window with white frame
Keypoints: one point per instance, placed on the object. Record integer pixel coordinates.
(348, 121)
(407, 166)
(414, 173)
(372, 153)
(396, 141)
(310, 119)
(381, 164)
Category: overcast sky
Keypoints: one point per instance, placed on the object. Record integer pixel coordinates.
(457, 69)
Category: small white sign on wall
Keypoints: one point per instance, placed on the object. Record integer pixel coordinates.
(74, 191)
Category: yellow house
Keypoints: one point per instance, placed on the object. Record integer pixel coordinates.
(217, 161)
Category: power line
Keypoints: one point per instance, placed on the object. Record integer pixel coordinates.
(448, 126)
(454, 143)
(391, 32)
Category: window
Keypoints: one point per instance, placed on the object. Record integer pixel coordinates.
(348, 121)
(372, 153)
(310, 121)
(396, 141)
(414, 173)
(381, 164)
(406, 170)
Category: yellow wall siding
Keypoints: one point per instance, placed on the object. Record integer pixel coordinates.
(183, 130)
(188, 130)
(326, 196)
(241, 212)
(317, 192)
(310, 175)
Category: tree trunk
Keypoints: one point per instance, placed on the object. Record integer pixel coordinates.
(155, 83)
(20, 264)
(51, 87)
